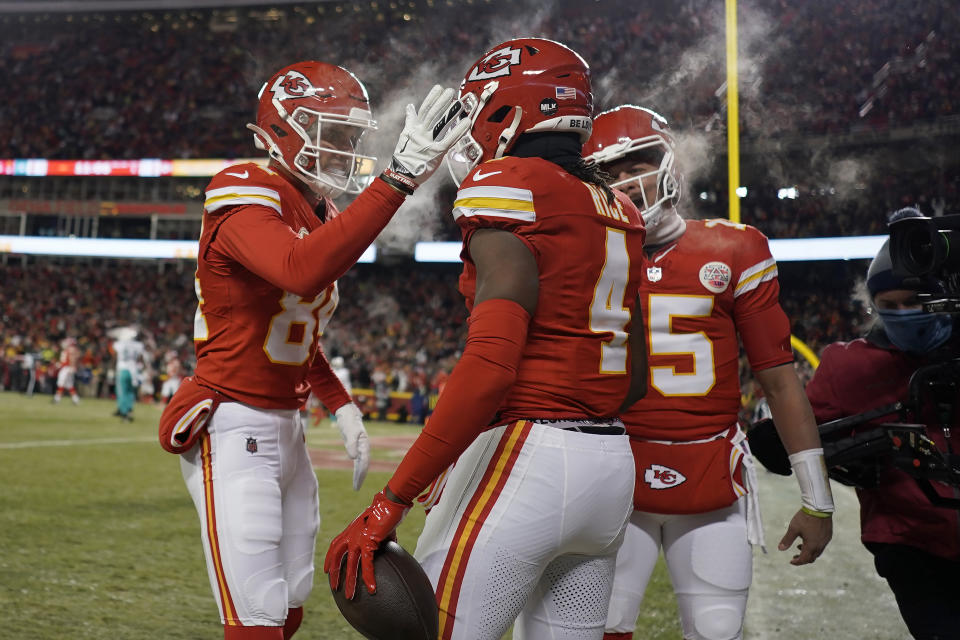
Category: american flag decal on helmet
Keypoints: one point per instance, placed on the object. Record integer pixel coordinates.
(566, 93)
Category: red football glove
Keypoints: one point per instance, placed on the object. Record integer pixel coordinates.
(359, 540)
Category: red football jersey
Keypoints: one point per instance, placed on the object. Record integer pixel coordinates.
(590, 257)
(69, 356)
(698, 294)
(255, 341)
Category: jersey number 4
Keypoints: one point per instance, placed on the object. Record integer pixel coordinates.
(607, 313)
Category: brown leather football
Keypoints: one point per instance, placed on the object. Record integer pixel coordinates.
(404, 606)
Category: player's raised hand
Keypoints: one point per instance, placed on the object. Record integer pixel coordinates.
(358, 542)
(428, 133)
(814, 533)
(355, 441)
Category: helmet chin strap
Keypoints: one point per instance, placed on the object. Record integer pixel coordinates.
(509, 133)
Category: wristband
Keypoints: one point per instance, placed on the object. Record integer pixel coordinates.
(815, 514)
(811, 472)
(398, 181)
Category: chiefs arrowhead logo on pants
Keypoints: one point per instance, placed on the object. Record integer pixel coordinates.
(661, 477)
(712, 475)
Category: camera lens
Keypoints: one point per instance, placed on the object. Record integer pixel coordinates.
(921, 254)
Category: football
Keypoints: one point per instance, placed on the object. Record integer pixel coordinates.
(404, 606)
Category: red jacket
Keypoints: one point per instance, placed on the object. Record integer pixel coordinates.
(857, 376)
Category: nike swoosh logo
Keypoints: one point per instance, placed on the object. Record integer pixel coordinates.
(480, 176)
(242, 176)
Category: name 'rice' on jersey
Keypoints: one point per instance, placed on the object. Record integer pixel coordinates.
(589, 253)
(717, 281)
(251, 350)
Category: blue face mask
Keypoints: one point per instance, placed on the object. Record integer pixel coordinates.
(915, 331)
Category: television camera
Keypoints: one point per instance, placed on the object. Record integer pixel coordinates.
(858, 448)
(923, 248)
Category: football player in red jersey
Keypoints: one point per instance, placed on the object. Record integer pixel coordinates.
(535, 507)
(705, 283)
(272, 246)
(69, 358)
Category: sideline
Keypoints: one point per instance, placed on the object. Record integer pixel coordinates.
(29, 444)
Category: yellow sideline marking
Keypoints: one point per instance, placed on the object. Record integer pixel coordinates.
(29, 444)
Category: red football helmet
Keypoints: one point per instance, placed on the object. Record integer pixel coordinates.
(310, 119)
(520, 86)
(627, 130)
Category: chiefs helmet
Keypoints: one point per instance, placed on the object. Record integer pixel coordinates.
(310, 120)
(520, 86)
(629, 130)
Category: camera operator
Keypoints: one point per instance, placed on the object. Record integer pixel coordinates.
(916, 546)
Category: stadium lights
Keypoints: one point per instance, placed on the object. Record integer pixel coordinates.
(114, 248)
(788, 193)
(788, 250)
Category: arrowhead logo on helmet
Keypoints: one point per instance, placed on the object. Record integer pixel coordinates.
(292, 84)
(495, 64)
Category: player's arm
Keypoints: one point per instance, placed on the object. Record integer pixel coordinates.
(306, 267)
(331, 392)
(506, 298)
(765, 332)
(791, 411)
(766, 339)
(257, 238)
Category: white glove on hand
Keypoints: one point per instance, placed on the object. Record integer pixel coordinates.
(355, 441)
(418, 153)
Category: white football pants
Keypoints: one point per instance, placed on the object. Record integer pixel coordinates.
(528, 525)
(65, 377)
(256, 494)
(710, 564)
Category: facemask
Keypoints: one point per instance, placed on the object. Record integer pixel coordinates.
(916, 331)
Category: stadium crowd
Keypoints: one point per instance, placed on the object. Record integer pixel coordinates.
(811, 67)
(85, 301)
(402, 328)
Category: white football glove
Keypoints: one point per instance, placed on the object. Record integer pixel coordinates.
(355, 441)
(418, 152)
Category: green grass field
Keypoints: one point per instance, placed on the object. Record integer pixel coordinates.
(99, 539)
